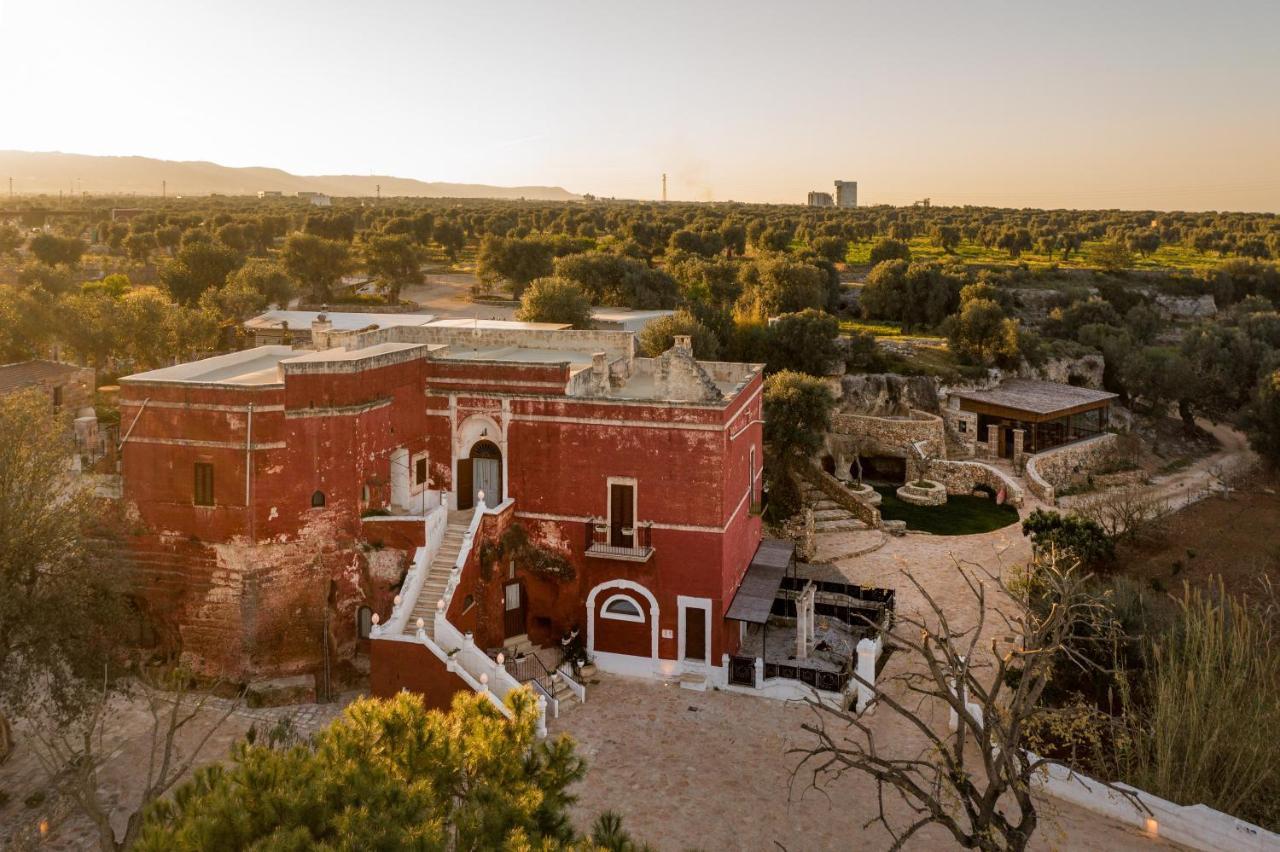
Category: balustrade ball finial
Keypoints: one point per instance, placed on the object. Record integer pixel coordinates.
(376, 618)
(421, 623)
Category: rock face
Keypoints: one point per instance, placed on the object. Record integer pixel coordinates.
(888, 394)
(1083, 371)
(1186, 307)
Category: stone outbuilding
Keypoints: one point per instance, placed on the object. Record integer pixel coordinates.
(1024, 416)
(68, 387)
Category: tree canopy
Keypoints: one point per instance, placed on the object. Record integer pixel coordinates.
(388, 774)
(552, 299)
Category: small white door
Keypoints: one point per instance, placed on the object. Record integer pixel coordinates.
(487, 477)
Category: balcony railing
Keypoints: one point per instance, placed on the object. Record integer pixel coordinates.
(615, 541)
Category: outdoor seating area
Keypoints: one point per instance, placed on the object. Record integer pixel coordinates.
(811, 628)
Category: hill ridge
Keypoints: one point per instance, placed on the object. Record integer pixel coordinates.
(35, 172)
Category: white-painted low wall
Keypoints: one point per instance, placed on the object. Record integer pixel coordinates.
(435, 522)
(1195, 826)
(457, 650)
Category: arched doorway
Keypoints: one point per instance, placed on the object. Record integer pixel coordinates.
(622, 630)
(481, 471)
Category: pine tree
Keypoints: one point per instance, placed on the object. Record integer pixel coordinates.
(388, 774)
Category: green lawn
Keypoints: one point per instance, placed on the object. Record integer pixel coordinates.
(878, 328)
(1166, 257)
(962, 515)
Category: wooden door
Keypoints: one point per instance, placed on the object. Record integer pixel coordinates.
(695, 633)
(513, 615)
(488, 478)
(622, 515)
(466, 494)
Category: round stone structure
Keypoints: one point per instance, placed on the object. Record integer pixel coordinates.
(923, 493)
(864, 493)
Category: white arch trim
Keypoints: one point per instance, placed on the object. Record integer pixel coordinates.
(631, 587)
(621, 616)
(469, 434)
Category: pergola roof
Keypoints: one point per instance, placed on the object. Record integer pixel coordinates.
(1037, 397)
(754, 598)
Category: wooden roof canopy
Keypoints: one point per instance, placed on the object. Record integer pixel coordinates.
(754, 598)
(1033, 401)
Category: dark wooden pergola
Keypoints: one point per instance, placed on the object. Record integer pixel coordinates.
(752, 603)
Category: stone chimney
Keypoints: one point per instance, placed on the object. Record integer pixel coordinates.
(600, 372)
(320, 328)
(678, 377)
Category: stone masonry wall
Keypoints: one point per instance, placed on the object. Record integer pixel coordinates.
(962, 477)
(1050, 469)
(834, 489)
(893, 436)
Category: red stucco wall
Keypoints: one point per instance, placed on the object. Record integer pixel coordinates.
(409, 665)
(260, 586)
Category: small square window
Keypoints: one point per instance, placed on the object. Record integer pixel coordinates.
(420, 471)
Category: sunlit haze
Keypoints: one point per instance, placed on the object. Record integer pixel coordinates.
(1164, 105)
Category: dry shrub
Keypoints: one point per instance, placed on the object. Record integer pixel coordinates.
(1206, 728)
(1132, 515)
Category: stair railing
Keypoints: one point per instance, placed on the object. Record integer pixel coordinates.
(437, 521)
(529, 669)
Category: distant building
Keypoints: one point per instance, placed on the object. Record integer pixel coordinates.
(67, 386)
(294, 327)
(821, 199)
(319, 199)
(624, 319)
(846, 193)
(124, 214)
(270, 193)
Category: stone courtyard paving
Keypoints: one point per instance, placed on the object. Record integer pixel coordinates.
(712, 770)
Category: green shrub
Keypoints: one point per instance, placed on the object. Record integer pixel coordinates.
(1071, 535)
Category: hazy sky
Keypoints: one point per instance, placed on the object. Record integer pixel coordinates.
(1048, 104)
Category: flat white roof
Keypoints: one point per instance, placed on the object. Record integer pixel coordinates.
(463, 322)
(342, 320)
(517, 354)
(627, 315)
(343, 354)
(256, 366)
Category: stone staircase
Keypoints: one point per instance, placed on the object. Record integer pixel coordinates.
(515, 647)
(437, 579)
(828, 515)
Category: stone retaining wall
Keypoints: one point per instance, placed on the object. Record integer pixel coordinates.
(1048, 470)
(839, 494)
(962, 477)
(892, 436)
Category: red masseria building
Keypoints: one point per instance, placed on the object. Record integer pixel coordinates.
(280, 500)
